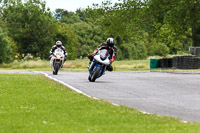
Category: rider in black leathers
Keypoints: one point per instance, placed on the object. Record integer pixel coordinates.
(109, 45)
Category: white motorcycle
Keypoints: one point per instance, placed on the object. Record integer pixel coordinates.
(57, 60)
(99, 64)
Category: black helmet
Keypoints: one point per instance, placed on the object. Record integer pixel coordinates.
(110, 42)
(58, 43)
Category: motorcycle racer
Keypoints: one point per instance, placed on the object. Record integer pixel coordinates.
(110, 46)
(58, 45)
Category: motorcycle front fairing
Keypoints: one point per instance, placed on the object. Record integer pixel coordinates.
(98, 61)
(57, 57)
(94, 65)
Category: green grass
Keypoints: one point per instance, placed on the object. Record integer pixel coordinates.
(81, 65)
(35, 104)
(131, 65)
(75, 65)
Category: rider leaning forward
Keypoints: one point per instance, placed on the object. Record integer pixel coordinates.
(110, 46)
(58, 45)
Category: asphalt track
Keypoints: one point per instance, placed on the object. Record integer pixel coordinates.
(166, 94)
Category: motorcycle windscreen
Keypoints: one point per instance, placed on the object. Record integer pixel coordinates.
(59, 52)
(104, 54)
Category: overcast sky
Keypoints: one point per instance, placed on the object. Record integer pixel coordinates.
(71, 5)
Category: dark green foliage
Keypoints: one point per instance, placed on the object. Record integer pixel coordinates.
(6, 48)
(89, 37)
(35, 30)
(69, 39)
(66, 17)
(30, 26)
(169, 26)
(141, 28)
(132, 51)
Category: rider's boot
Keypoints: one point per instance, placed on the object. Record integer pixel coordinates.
(109, 68)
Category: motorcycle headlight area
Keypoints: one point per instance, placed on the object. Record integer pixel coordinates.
(103, 54)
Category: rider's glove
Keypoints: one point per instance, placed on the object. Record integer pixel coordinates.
(111, 61)
(113, 58)
(90, 57)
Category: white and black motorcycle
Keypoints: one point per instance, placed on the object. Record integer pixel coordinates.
(57, 60)
(99, 64)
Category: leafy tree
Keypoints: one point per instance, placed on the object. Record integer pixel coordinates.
(181, 16)
(30, 25)
(6, 48)
(132, 51)
(89, 37)
(66, 34)
(185, 15)
(66, 17)
(81, 13)
(140, 27)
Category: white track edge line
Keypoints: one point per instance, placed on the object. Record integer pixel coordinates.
(71, 87)
(65, 84)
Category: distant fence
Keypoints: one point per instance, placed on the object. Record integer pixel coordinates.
(177, 62)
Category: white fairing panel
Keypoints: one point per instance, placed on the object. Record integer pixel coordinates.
(106, 61)
(59, 53)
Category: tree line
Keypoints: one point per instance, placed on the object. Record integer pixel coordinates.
(141, 28)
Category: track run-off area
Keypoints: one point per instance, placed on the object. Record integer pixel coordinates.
(166, 94)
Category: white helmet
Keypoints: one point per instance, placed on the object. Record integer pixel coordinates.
(58, 43)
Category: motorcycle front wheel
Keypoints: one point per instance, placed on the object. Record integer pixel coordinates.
(95, 74)
(57, 66)
(89, 78)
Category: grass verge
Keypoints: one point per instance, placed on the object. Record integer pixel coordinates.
(75, 65)
(33, 103)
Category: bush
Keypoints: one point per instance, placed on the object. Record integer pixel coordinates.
(157, 48)
(132, 51)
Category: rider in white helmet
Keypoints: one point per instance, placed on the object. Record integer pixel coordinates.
(58, 45)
